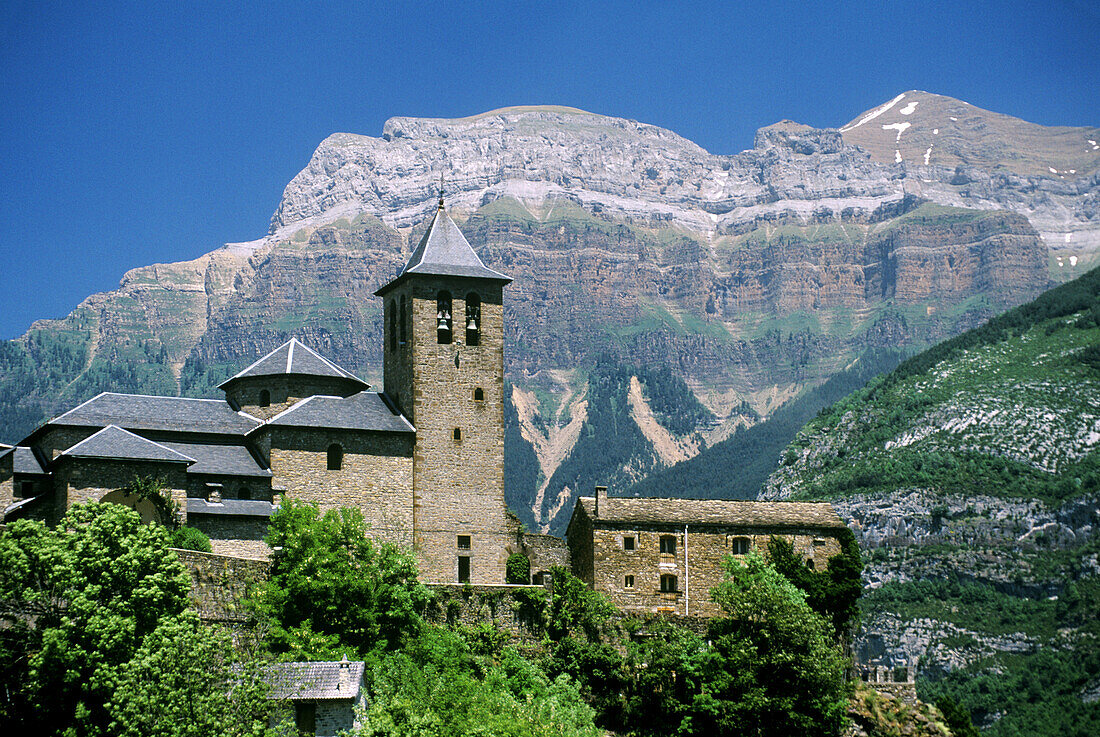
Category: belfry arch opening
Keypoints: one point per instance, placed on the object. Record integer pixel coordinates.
(443, 323)
(473, 319)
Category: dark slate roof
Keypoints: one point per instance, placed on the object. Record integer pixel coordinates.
(25, 461)
(311, 681)
(444, 251)
(292, 357)
(362, 411)
(223, 460)
(231, 507)
(712, 512)
(144, 412)
(114, 442)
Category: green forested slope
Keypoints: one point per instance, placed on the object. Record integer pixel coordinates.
(971, 475)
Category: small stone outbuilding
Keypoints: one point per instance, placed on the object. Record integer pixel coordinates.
(665, 555)
(324, 696)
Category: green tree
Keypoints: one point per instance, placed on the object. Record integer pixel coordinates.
(332, 589)
(186, 680)
(833, 593)
(518, 569)
(81, 598)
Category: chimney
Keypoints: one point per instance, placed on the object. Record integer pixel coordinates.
(601, 496)
(345, 675)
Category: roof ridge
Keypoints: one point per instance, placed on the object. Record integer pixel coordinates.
(74, 409)
(259, 360)
(344, 372)
(293, 407)
(290, 355)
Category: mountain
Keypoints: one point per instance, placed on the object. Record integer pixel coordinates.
(971, 477)
(735, 282)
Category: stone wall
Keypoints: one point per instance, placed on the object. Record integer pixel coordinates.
(706, 551)
(504, 606)
(376, 475)
(7, 481)
(220, 583)
(200, 486)
(545, 552)
(234, 535)
(58, 439)
(79, 480)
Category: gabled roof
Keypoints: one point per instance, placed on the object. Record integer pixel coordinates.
(311, 681)
(362, 411)
(444, 251)
(115, 443)
(635, 510)
(221, 460)
(143, 412)
(293, 357)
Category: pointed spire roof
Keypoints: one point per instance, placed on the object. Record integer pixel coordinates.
(292, 357)
(444, 251)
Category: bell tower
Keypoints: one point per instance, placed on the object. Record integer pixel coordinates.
(444, 369)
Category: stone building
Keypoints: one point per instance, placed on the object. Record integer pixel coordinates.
(423, 460)
(324, 696)
(664, 555)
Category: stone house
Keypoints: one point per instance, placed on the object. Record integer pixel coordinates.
(324, 696)
(665, 555)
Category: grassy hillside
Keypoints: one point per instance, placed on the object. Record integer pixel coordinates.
(971, 475)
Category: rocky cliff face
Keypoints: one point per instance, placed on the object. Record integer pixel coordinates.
(750, 275)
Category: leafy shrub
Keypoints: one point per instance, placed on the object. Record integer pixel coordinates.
(518, 569)
(189, 538)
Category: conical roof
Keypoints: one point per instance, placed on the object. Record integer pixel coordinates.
(292, 357)
(444, 251)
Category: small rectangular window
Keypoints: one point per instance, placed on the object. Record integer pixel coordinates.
(464, 569)
(463, 542)
(668, 544)
(628, 542)
(458, 433)
(739, 546)
(628, 582)
(668, 584)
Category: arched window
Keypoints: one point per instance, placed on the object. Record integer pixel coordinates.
(335, 457)
(479, 394)
(393, 325)
(404, 318)
(473, 319)
(443, 331)
(669, 584)
(265, 398)
(244, 493)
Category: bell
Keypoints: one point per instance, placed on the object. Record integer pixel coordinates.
(443, 320)
(471, 324)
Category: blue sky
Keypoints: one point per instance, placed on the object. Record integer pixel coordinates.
(135, 133)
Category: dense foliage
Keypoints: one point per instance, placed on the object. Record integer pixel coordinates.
(332, 590)
(93, 607)
(833, 593)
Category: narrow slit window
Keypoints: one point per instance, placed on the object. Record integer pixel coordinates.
(335, 457)
(628, 582)
(443, 329)
(473, 319)
(668, 544)
(393, 325)
(458, 434)
(404, 324)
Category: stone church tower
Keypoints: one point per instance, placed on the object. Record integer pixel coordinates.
(444, 368)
